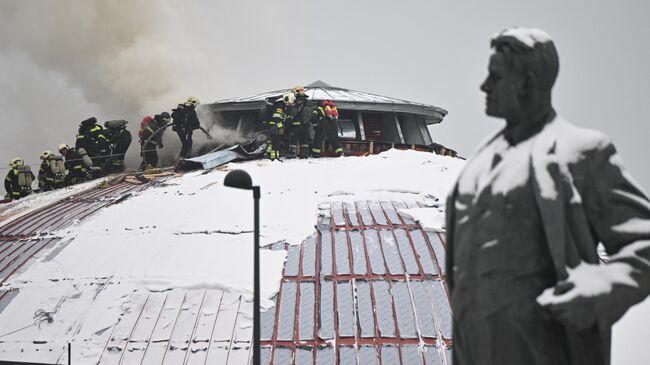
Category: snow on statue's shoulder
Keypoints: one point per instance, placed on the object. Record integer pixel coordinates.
(571, 141)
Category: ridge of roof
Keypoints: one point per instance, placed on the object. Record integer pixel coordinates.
(319, 83)
(340, 94)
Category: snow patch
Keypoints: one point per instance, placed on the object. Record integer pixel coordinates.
(510, 172)
(633, 226)
(630, 251)
(590, 280)
(431, 219)
(558, 143)
(18, 208)
(616, 160)
(527, 36)
(489, 244)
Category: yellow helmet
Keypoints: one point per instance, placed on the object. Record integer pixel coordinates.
(17, 162)
(192, 101)
(298, 89)
(46, 154)
(63, 146)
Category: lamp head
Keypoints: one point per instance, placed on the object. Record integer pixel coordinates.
(239, 179)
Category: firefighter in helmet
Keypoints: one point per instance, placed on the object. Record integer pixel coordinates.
(76, 165)
(298, 124)
(152, 139)
(275, 124)
(325, 117)
(92, 139)
(51, 174)
(185, 122)
(119, 139)
(18, 182)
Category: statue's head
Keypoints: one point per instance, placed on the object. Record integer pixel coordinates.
(521, 74)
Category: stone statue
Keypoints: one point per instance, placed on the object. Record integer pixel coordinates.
(525, 219)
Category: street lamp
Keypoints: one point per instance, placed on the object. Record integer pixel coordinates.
(240, 179)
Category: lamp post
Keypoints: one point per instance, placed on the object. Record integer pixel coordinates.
(240, 179)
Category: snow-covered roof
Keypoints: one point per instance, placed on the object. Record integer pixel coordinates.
(344, 99)
(369, 285)
(137, 273)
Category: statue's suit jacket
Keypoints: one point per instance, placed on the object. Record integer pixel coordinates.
(584, 197)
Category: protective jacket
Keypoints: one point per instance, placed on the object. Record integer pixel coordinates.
(119, 140)
(185, 118)
(185, 122)
(275, 128)
(299, 127)
(584, 197)
(152, 139)
(18, 182)
(76, 167)
(92, 138)
(325, 119)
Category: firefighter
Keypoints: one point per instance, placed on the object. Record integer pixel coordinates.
(18, 182)
(152, 139)
(51, 174)
(92, 139)
(185, 122)
(326, 119)
(275, 124)
(119, 140)
(76, 164)
(298, 125)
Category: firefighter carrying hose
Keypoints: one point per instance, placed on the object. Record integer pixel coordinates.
(152, 139)
(18, 182)
(326, 119)
(51, 174)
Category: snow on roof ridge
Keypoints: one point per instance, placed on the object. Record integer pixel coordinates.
(527, 36)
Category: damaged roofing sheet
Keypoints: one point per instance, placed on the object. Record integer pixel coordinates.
(238, 152)
(367, 288)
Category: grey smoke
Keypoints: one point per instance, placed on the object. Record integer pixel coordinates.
(75, 59)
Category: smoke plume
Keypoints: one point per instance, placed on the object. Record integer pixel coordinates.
(110, 59)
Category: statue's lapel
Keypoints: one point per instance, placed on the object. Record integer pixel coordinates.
(546, 178)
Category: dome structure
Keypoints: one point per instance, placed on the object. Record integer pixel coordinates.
(369, 122)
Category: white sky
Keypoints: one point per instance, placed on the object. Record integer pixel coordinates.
(434, 52)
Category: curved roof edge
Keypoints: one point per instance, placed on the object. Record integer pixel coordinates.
(344, 98)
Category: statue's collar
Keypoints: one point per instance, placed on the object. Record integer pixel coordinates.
(514, 136)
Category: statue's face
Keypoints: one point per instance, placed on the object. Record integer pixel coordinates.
(502, 88)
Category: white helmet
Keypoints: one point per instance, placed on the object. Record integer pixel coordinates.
(46, 154)
(63, 146)
(298, 90)
(17, 162)
(192, 101)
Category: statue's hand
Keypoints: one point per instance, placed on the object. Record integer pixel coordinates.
(575, 311)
